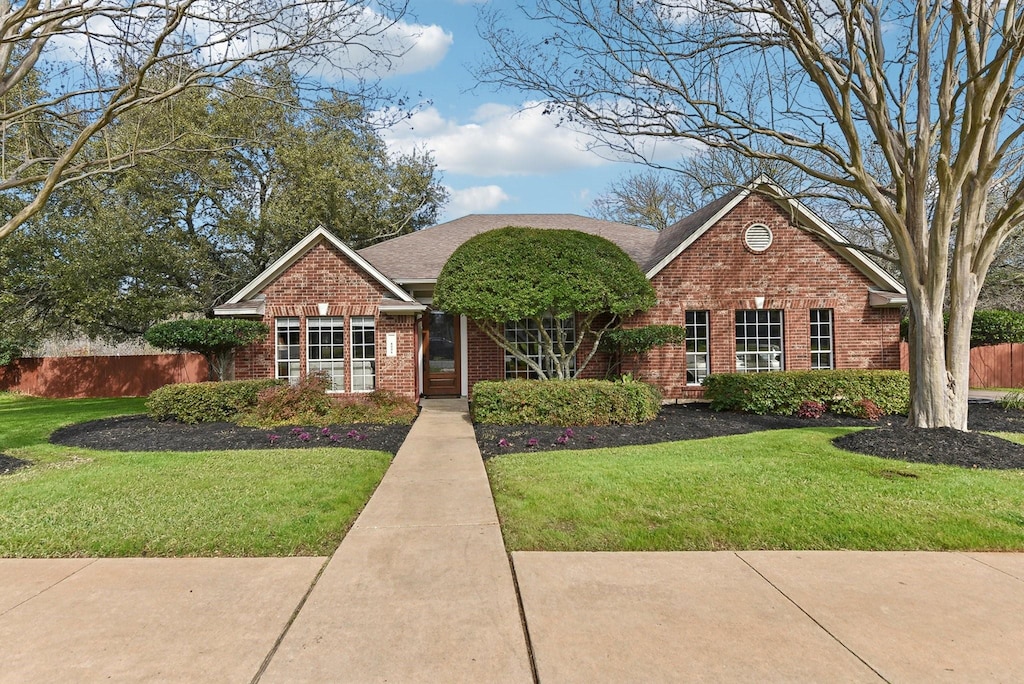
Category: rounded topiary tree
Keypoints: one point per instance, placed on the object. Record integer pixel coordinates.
(543, 276)
(214, 338)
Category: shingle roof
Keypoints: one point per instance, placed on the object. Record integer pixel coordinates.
(422, 255)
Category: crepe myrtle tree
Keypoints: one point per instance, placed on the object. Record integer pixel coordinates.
(543, 277)
(215, 338)
(911, 110)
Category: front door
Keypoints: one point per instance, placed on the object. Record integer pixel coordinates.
(442, 353)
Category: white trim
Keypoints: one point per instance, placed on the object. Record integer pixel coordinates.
(763, 183)
(276, 269)
(464, 356)
(405, 310)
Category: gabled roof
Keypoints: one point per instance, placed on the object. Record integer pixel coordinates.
(677, 237)
(420, 256)
(307, 243)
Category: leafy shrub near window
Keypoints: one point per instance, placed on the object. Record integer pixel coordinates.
(214, 338)
(865, 408)
(205, 402)
(565, 402)
(307, 403)
(783, 392)
(811, 409)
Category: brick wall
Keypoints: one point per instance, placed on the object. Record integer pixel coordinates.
(719, 274)
(325, 276)
(799, 272)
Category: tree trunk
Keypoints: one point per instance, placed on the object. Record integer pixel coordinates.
(940, 364)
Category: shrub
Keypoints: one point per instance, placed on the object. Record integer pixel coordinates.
(989, 327)
(783, 392)
(810, 409)
(865, 408)
(565, 402)
(9, 351)
(307, 403)
(1013, 400)
(205, 402)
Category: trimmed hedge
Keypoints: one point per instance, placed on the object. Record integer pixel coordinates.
(989, 327)
(564, 403)
(784, 392)
(205, 402)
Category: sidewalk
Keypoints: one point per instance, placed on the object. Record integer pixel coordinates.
(421, 590)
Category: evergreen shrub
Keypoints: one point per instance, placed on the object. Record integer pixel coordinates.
(565, 403)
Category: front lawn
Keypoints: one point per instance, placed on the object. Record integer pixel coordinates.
(785, 489)
(82, 502)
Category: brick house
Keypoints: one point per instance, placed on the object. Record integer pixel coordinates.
(759, 282)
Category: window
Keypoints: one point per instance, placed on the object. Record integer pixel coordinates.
(821, 339)
(526, 336)
(759, 341)
(364, 354)
(325, 349)
(287, 349)
(697, 339)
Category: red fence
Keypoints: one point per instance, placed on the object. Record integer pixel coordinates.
(998, 366)
(100, 376)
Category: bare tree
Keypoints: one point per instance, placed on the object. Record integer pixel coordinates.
(69, 68)
(911, 109)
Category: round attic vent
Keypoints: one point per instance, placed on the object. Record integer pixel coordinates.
(758, 237)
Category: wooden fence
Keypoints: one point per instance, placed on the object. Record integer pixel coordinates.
(100, 376)
(998, 366)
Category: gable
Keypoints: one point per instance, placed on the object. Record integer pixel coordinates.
(678, 238)
(345, 267)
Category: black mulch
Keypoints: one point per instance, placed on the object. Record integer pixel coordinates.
(891, 439)
(8, 464)
(140, 433)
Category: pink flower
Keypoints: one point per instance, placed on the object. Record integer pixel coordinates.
(504, 442)
(273, 438)
(304, 436)
(569, 433)
(533, 441)
(326, 432)
(352, 434)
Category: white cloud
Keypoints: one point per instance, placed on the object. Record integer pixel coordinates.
(475, 200)
(496, 140)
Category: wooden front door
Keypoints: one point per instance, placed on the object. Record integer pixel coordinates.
(442, 355)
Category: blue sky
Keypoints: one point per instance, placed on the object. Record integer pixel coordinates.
(494, 155)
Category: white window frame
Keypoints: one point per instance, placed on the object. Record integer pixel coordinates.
(822, 339)
(364, 354)
(698, 332)
(288, 354)
(316, 362)
(760, 340)
(525, 332)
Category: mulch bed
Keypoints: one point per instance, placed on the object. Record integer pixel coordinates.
(8, 464)
(141, 433)
(890, 439)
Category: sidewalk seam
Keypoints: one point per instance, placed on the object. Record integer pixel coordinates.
(990, 566)
(288, 625)
(46, 589)
(522, 619)
(812, 618)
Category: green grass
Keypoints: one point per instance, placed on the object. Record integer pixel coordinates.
(81, 502)
(786, 489)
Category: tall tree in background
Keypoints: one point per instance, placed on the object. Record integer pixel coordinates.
(70, 69)
(254, 169)
(931, 89)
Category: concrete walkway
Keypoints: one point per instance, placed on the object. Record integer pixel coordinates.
(421, 590)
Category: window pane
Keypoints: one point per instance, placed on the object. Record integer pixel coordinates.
(364, 354)
(325, 349)
(527, 338)
(821, 339)
(759, 341)
(697, 342)
(286, 332)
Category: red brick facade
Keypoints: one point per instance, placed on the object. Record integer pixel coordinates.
(717, 273)
(325, 276)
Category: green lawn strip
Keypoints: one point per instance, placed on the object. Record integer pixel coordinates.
(220, 503)
(786, 489)
(81, 502)
(28, 420)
